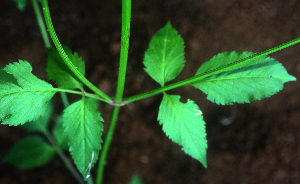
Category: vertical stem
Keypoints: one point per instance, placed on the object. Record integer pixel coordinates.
(40, 20)
(106, 145)
(126, 13)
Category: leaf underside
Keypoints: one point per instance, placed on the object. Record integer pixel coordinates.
(183, 123)
(83, 124)
(59, 72)
(26, 101)
(164, 59)
(254, 80)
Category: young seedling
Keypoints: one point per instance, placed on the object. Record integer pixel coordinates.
(227, 78)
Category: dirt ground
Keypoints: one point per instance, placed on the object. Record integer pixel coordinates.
(258, 143)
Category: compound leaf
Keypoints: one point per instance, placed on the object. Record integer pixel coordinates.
(59, 72)
(83, 124)
(164, 59)
(30, 152)
(254, 80)
(184, 125)
(26, 101)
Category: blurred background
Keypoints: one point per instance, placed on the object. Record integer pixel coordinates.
(247, 143)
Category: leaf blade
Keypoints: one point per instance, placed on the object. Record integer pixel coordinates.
(251, 81)
(21, 4)
(30, 152)
(164, 59)
(41, 124)
(60, 135)
(184, 125)
(59, 72)
(135, 179)
(26, 101)
(83, 124)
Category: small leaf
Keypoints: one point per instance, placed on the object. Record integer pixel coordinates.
(30, 152)
(26, 101)
(184, 124)
(21, 4)
(59, 72)
(42, 123)
(60, 135)
(135, 179)
(83, 125)
(254, 80)
(164, 58)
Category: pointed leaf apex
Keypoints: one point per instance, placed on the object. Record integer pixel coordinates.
(164, 59)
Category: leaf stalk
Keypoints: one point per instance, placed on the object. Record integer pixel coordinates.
(41, 23)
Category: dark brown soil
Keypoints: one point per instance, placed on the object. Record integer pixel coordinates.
(261, 143)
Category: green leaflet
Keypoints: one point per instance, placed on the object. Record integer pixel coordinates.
(59, 72)
(184, 124)
(30, 152)
(41, 124)
(83, 124)
(21, 4)
(26, 101)
(244, 83)
(164, 59)
(4, 76)
(60, 135)
(135, 179)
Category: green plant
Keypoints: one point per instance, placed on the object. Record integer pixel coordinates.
(226, 78)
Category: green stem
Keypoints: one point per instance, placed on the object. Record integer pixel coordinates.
(64, 158)
(41, 23)
(46, 39)
(64, 98)
(70, 166)
(64, 55)
(125, 34)
(106, 145)
(91, 95)
(191, 80)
